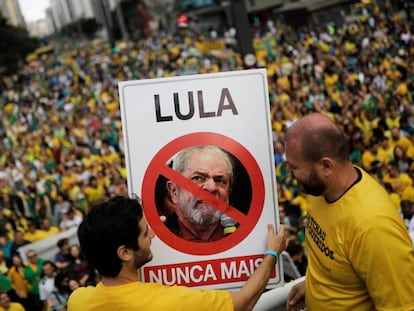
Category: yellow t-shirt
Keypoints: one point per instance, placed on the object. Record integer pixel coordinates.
(392, 122)
(330, 81)
(35, 236)
(52, 231)
(14, 306)
(148, 297)
(410, 152)
(408, 194)
(110, 158)
(360, 256)
(68, 181)
(94, 194)
(386, 154)
(368, 158)
(403, 141)
(396, 199)
(399, 183)
(284, 83)
(302, 201)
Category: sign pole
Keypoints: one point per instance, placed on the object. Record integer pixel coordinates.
(244, 36)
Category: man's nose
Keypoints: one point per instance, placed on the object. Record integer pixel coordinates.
(210, 185)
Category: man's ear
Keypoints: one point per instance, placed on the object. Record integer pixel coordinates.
(124, 253)
(327, 165)
(172, 190)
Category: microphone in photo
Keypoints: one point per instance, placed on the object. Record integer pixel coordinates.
(229, 224)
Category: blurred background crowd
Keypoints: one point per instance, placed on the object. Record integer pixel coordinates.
(62, 148)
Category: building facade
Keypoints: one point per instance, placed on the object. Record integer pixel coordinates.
(10, 9)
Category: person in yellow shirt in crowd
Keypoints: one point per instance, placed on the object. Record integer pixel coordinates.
(16, 276)
(48, 229)
(385, 150)
(367, 121)
(408, 193)
(302, 202)
(393, 118)
(4, 265)
(399, 181)
(283, 82)
(7, 305)
(68, 179)
(394, 196)
(331, 79)
(94, 191)
(371, 158)
(284, 195)
(399, 140)
(88, 157)
(34, 234)
(108, 153)
(277, 120)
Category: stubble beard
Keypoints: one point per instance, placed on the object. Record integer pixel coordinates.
(141, 258)
(314, 185)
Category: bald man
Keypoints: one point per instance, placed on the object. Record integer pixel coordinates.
(360, 256)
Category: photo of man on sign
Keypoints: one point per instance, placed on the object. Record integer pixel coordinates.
(213, 170)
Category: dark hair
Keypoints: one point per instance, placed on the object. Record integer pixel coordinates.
(62, 282)
(62, 242)
(48, 262)
(17, 254)
(107, 226)
(405, 203)
(326, 142)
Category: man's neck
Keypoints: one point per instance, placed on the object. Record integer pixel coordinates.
(346, 179)
(124, 277)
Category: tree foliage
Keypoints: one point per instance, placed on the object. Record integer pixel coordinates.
(15, 44)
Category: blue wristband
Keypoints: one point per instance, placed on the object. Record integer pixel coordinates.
(272, 252)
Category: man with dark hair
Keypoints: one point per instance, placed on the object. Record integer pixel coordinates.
(360, 256)
(116, 239)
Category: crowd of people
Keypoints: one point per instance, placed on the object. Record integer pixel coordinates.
(61, 139)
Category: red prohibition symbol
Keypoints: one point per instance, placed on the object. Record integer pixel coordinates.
(159, 167)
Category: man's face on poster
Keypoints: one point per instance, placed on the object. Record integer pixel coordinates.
(211, 172)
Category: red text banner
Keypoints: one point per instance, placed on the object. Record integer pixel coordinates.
(207, 272)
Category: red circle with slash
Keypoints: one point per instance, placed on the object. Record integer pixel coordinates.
(158, 166)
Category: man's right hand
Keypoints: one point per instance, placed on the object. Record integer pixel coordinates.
(296, 298)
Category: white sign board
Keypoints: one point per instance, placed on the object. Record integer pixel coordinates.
(229, 110)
